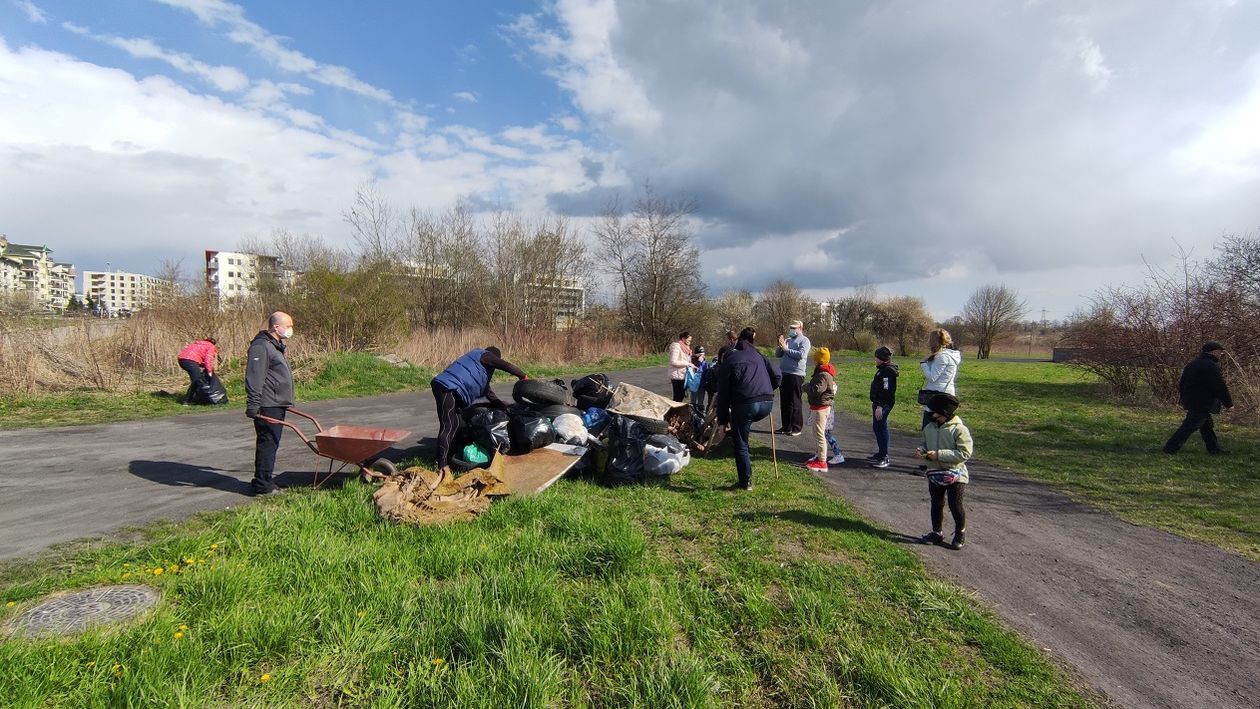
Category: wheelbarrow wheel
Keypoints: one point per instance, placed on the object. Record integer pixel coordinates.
(381, 467)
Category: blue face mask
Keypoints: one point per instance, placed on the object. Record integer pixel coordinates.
(792, 332)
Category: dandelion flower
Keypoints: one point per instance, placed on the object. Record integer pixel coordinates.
(126, 566)
(214, 546)
(158, 571)
(360, 612)
(190, 562)
(10, 604)
(178, 635)
(183, 626)
(437, 661)
(265, 678)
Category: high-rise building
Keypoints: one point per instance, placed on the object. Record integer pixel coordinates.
(30, 270)
(117, 293)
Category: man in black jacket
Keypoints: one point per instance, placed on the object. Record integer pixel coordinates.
(269, 393)
(1203, 393)
(746, 384)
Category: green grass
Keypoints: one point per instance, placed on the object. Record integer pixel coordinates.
(341, 375)
(1056, 424)
(686, 596)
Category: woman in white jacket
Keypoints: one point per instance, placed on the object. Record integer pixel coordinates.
(679, 363)
(940, 369)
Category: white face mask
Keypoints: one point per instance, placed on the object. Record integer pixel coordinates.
(792, 332)
(286, 333)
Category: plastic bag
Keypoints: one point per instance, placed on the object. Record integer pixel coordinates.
(592, 391)
(626, 439)
(210, 391)
(595, 420)
(490, 430)
(530, 432)
(664, 455)
(691, 380)
(474, 453)
(570, 429)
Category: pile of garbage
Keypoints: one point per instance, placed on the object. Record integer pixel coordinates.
(421, 496)
(632, 435)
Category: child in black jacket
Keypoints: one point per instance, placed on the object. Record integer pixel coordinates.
(883, 397)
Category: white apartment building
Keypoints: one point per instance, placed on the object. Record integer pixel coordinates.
(117, 293)
(233, 274)
(30, 269)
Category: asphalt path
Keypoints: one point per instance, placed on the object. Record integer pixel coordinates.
(1146, 618)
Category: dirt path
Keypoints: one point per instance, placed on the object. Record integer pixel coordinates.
(1149, 619)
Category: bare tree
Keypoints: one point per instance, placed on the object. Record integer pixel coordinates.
(992, 311)
(781, 303)
(851, 316)
(374, 224)
(655, 265)
(904, 320)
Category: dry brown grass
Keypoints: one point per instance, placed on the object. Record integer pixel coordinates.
(139, 353)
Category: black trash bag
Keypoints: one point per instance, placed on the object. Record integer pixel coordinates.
(626, 439)
(592, 391)
(709, 382)
(530, 432)
(489, 428)
(210, 392)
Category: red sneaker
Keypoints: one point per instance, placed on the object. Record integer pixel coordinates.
(817, 465)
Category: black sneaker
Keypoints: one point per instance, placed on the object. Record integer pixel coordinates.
(960, 537)
(880, 462)
(794, 433)
(783, 431)
(873, 457)
(932, 538)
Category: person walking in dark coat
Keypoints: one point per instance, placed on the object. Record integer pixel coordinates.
(1203, 393)
(268, 393)
(746, 384)
(461, 384)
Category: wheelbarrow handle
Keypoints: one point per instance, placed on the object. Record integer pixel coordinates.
(304, 415)
(309, 443)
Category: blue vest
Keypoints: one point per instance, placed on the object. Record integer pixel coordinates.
(467, 377)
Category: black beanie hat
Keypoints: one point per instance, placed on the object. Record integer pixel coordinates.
(1211, 347)
(883, 354)
(943, 404)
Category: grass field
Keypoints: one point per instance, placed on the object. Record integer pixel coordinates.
(341, 375)
(1055, 423)
(691, 595)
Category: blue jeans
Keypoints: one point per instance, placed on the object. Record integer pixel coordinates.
(742, 417)
(880, 427)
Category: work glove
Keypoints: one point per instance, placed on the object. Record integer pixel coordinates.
(251, 411)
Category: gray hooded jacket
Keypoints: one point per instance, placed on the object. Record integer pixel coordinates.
(268, 380)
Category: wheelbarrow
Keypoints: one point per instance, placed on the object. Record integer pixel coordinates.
(348, 445)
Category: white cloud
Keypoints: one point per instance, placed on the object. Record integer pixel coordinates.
(224, 78)
(921, 137)
(727, 271)
(466, 96)
(33, 12)
(215, 13)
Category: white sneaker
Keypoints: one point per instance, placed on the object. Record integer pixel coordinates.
(837, 459)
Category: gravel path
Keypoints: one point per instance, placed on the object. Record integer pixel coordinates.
(1147, 618)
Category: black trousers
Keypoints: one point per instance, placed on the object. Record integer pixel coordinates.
(266, 443)
(954, 492)
(448, 422)
(680, 389)
(790, 402)
(1200, 421)
(198, 378)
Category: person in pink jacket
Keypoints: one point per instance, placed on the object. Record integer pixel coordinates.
(198, 360)
(679, 362)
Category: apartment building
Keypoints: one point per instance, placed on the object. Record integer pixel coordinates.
(30, 270)
(117, 293)
(234, 274)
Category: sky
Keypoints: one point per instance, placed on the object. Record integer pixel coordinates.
(1057, 147)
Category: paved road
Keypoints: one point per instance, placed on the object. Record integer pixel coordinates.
(1149, 619)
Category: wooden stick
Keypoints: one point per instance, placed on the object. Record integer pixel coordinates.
(774, 451)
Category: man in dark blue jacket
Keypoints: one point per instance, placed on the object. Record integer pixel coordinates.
(461, 384)
(746, 384)
(1203, 393)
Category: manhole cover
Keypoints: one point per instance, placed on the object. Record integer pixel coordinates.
(71, 613)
